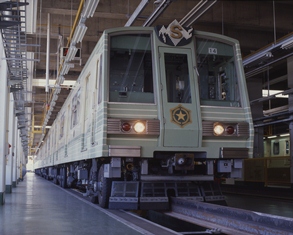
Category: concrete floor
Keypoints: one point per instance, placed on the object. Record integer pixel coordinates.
(37, 206)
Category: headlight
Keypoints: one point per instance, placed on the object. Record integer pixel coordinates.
(139, 127)
(218, 129)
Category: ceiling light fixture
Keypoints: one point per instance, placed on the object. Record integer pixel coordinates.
(287, 45)
(90, 8)
(71, 53)
(258, 56)
(79, 33)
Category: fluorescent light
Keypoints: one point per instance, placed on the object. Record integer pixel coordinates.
(283, 135)
(71, 53)
(58, 89)
(79, 33)
(55, 97)
(277, 93)
(61, 80)
(258, 56)
(65, 68)
(89, 8)
(271, 137)
(287, 45)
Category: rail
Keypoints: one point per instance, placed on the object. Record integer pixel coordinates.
(230, 220)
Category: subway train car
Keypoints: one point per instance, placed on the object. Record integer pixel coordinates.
(278, 146)
(156, 112)
(273, 169)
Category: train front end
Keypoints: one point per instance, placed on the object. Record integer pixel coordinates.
(178, 116)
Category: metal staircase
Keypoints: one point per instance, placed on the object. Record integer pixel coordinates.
(13, 30)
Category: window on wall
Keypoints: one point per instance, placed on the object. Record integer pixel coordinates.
(218, 79)
(75, 111)
(131, 76)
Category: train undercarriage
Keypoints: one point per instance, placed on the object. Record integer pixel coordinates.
(133, 183)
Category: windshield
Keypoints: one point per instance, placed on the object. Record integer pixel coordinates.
(131, 76)
(217, 74)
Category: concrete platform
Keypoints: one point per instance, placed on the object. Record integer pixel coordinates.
(37, 206)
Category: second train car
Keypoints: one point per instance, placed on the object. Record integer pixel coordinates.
(155, 112)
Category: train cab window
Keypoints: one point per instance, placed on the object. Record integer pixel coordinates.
(217, 73)
(177, 78)
(131, 76)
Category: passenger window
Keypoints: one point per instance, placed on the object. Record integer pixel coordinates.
(99, 79)
(217, 74)
(177, 78)
(287, 147)
(61, 126)
(276, 148)
(131, 76)
(75, 112)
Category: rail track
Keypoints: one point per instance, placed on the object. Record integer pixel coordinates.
(230, 220)
(205, 218)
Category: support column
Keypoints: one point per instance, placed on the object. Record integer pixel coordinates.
(15, 150)
(290, 103)
(9, 162)
(3, 118)
(255, 92)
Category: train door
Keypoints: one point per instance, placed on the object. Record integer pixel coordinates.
(181, 109)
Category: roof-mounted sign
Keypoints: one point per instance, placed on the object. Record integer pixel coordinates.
(174, 34)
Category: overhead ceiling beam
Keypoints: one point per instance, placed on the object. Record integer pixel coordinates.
(42, 82)
(70, 12)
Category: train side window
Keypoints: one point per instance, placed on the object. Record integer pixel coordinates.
(62, 123)
(131, 76)
(99, 79)
(177, 78)
(276, 148)
(287, 147)
(217, 73)
(75, 109)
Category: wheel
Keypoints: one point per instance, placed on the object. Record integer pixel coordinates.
(104, 188)
(63, 173)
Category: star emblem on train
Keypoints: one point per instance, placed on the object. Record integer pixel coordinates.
(174, 34)
(180, 116)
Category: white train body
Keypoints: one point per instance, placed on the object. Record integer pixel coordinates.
(152, 105)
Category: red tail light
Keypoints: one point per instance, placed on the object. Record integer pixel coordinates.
(126, 127)
(230, 130)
